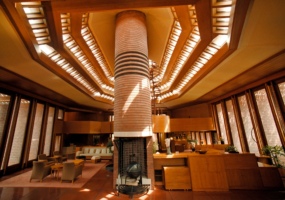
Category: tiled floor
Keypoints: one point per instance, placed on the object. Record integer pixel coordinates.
(99, 187)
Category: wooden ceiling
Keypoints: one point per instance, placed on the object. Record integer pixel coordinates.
(63, 50)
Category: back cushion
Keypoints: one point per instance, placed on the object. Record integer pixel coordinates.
(93, 150)
(86, 150)
(104, 151)
(98, 151)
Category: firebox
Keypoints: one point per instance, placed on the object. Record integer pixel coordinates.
(132, 166)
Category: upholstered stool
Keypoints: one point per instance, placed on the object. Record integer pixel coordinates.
(81, 157)
(95, 159)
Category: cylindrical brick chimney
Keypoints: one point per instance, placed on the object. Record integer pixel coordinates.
(132, 106)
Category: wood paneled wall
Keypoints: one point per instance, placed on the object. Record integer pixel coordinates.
(194, 111)
(192, 124)
(161, 124)
(86, 127)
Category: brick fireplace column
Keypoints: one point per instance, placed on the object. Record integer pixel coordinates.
(132, 109)
(132, 106)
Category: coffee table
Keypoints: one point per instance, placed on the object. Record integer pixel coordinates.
(55, 170)
(78, 161)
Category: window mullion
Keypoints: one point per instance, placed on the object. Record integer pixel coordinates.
(257, 125)
(276, 111)
(241, 131)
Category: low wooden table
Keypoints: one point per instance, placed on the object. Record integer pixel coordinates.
(56, 158)
(106, 157)
(55, 170)
(78, 161)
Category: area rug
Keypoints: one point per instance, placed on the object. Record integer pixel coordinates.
(23, 180)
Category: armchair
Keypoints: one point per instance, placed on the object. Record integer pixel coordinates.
(47, 160)
(70, 171)
(40, 170)
(60, 158)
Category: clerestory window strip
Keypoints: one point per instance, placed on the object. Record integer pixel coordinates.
(71, 44)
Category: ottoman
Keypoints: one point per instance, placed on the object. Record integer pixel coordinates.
(95, 159)
(81, 157)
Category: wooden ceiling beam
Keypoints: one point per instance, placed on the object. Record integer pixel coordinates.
(76, 25)
(204, 17)
(241, 9)
(55, 29)
(101, 5)
(20, 25)
(185, 23)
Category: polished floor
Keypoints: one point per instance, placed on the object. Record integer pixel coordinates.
(99, 187)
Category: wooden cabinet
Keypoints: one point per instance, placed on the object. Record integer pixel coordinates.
(214, 172)
(207, 173)
(270, 176)
(159, 163)
(161, 160)
(242, 171)
(177, 178)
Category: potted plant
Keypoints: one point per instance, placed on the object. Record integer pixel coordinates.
(110, 144)
(193, 144)
(275, 152)
(155, 147)
(231, 149)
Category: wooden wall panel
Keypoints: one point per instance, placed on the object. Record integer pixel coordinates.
(199, 110)
(86, 127)
(160, 123)
(95, 127)
(107, 127)
(82, 127)
(191, 124)
(58, 126)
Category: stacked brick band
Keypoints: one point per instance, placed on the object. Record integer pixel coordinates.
(132, 107)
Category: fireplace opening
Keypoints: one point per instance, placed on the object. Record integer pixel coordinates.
(132, 166)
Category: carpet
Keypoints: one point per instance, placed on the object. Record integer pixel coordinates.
(23, 180)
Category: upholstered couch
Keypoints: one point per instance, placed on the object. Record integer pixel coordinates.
(90, 151)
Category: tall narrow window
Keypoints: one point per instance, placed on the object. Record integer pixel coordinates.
(4, 105)
(209, 137)
(57, 142)
(60, 114)
(267, 119)
(203, 138)
(247, 124)
(281, 87)
(221, 122)
(36, 132)
(233, 125)
(49, 131)
(19, 135)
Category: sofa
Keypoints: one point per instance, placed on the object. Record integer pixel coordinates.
(99, 151)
